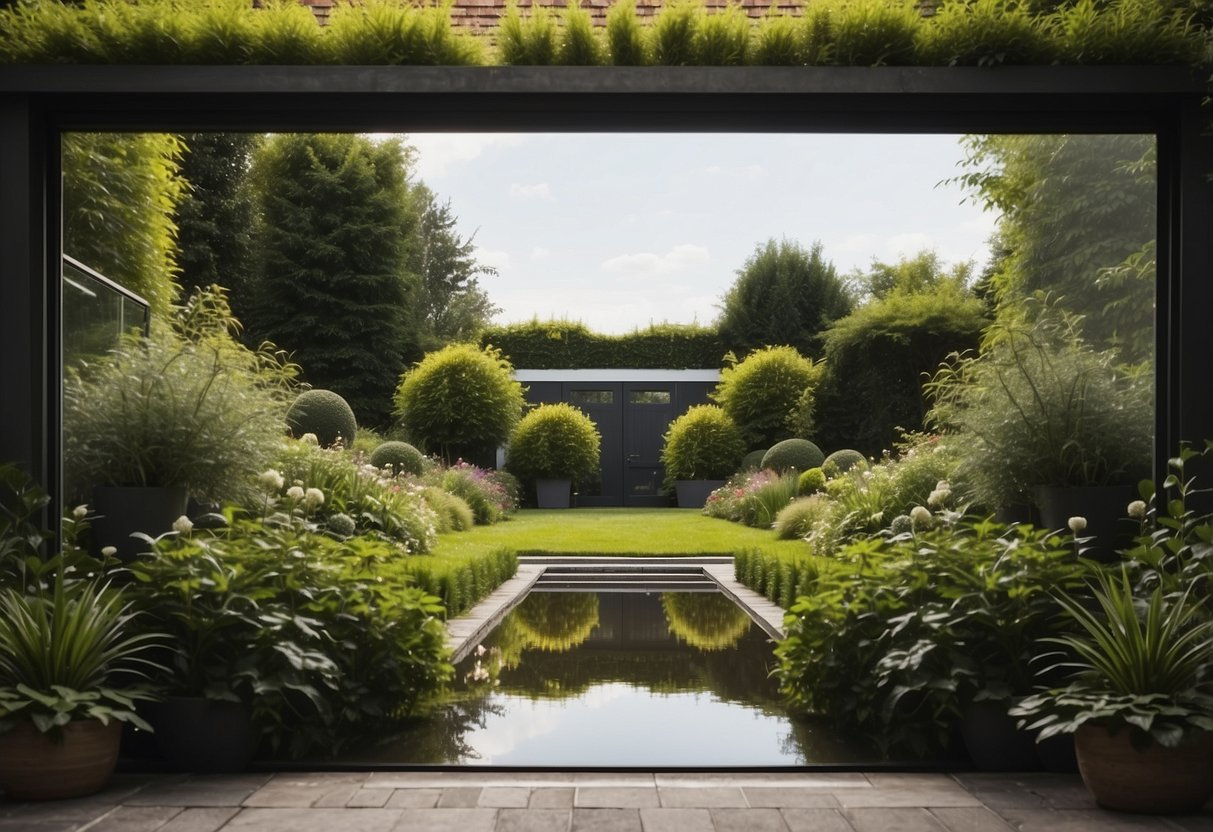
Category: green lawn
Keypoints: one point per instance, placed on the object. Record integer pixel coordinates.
(616, 531)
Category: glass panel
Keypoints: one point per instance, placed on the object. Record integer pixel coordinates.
(591, 397)
(94, 315)
(649, 396)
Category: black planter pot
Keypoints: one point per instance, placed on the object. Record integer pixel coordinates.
(553, 493)
(202, 735)
(1104, 507)
(694, 493)
(993, 741)
(125, 510)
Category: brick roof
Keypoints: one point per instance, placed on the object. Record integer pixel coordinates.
(483, 14)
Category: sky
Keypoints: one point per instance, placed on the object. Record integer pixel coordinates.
(623, 230)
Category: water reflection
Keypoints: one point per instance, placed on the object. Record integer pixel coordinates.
(606, 679)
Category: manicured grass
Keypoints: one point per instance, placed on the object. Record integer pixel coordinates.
(616, 531)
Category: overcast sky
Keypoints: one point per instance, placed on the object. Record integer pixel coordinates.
(621, 230)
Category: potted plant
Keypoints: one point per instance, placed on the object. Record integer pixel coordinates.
(187, 411)
(70, 674)
(1046, 421)
(553, 446)
(703, 447)
(1142, 722)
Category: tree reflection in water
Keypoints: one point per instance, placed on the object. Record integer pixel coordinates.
(707, 620)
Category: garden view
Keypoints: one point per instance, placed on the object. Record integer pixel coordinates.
(315, 450)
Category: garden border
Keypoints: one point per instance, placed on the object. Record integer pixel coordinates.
(37, 103)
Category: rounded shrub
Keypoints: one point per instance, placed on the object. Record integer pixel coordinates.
(325, 414)
(459, 401)
(702, 444)
(799, 517)
(842, 461)
(811, 481)
(798, 454)
(753, 460)
(401, 457)
(453, 513)
(766, 393)
(553, 441)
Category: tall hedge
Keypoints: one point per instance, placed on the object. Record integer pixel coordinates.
(568, 345)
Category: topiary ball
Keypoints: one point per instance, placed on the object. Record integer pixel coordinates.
(753, 460)
(401, 457)
(325, 414)
(800, 454)
(811, 481)
(842, 461)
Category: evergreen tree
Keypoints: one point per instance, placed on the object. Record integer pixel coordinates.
(785, 295)
(215, 216)
(451, 306)
(333, 286)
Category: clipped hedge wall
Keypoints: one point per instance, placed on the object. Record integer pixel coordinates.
(462, 581)
(568, 345)
(782, 579)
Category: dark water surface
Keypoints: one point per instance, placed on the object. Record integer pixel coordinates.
(586, 679)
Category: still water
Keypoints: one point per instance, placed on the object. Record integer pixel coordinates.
(618, 679)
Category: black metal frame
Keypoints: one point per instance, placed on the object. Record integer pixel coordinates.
(38, 103)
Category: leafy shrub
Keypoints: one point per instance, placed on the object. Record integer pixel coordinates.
(1038, 407)
(325, 415)
(459, 400)
(753, 460)
(491, 495)
(901, 633)
(793, 455)
(764, 390)
(753, 499)
(401, 457)
(701, 444)
(1128, 32)
(327, 639)
(462, 581)
(863, 32)
(811, 481)
(553, 441)
(384, 32)
(798, 518)
(187, 406)
(842, 461)
(453, 513)
(390, 508)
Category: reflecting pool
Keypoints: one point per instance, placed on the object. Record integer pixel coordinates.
(587, 679)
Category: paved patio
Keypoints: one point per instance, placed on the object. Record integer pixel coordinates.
(626, 802)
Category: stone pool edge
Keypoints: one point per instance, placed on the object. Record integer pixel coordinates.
(469, 629)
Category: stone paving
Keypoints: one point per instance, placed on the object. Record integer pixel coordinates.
(587, 802)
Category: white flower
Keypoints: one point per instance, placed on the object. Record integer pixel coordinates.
(1077, 524)
(1137, 509)
(80, 512)
(109, 551)
(271, 480)
(480, 651)
(939, 497)
(309, 439)
(920, 517)
(313, 499)
(943, 485)
(295, 493)
(183, 525)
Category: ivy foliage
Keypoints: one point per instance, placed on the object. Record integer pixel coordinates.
(684, 32)
(120, 192)
(569, 345)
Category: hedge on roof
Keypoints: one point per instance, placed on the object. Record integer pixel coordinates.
(564, 345)
(823, 33)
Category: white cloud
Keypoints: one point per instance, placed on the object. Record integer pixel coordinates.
(646, 263)
(496, 258)
(437, 153)
(539, 190)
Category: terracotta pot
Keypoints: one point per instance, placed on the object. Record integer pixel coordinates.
(35, 766)
(1157, 780)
